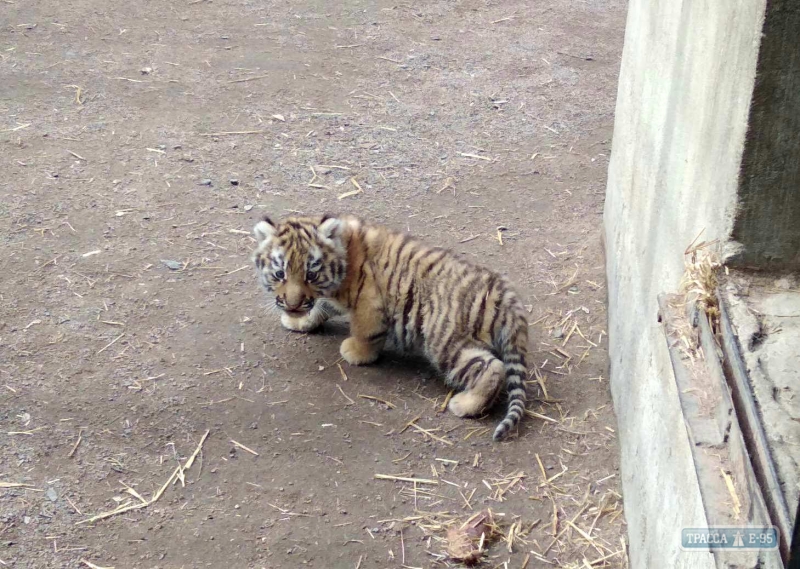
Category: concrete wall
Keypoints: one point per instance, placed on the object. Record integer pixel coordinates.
(685, 89)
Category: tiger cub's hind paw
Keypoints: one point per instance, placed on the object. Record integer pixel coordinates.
(356, 352)
(467, 404)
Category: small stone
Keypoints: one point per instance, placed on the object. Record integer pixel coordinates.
(172, 265)
(51, 494)
(248, 207)
(146, 70)
(234, 182)
(205, 182)
(558, 333)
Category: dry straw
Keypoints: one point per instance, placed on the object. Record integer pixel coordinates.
(701, 275)
(177, 474)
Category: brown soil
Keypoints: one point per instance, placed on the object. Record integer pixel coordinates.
(454, 118)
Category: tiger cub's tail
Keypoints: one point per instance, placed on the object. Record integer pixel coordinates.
(513, 349)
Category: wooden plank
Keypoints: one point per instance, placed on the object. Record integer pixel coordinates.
(705, 376)
(713, 354)
(702, 429)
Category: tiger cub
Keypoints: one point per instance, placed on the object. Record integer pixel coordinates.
(465, 319)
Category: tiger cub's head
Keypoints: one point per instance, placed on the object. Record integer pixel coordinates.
(300, 259)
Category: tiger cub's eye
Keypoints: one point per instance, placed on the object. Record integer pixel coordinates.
(312, 271)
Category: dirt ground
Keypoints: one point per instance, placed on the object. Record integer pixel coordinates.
(131, 322)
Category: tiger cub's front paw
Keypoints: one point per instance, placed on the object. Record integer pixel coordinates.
(355, 352)
(305, 323)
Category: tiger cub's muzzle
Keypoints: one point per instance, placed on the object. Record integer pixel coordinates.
(300, 307)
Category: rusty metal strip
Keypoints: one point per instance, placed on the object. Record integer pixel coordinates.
(752, 430)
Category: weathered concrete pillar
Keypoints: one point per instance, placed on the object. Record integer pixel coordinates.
(706, 139)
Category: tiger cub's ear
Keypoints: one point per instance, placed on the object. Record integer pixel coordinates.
(330, 227)
(264, 229)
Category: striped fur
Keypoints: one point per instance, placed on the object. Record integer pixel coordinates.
(464, 318)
